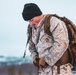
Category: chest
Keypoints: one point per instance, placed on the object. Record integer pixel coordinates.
(41, 36)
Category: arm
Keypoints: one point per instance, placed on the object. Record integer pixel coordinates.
(32, 49)
(60, 43)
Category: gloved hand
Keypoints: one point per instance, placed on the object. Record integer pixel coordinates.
(36, 61)
(42, 62)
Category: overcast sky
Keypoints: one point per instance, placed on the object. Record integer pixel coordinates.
(13, 28)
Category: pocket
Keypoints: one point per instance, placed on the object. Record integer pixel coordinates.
(45, 38)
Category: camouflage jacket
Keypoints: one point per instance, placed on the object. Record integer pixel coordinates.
(51, 48)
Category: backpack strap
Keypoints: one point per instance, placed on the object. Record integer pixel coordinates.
(47, 24)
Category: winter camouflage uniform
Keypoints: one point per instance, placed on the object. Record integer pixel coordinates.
(49, 48)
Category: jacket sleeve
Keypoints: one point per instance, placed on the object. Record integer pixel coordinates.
(32, 49)
(60, 42)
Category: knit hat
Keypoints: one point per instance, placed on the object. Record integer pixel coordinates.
(30, 10)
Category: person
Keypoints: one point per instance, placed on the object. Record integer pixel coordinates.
(45, 51)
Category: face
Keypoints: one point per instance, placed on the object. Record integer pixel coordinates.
(34, 21)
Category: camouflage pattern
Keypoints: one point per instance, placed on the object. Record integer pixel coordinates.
(50, 48)
(64, 70)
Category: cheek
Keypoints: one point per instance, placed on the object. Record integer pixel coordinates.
(36, 22)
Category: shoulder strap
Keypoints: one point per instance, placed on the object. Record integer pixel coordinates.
(47, 24)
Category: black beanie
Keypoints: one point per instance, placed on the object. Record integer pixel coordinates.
(30, 10)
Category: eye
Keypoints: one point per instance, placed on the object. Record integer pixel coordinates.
(32, 20)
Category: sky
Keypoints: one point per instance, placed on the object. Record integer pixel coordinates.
(13, 29)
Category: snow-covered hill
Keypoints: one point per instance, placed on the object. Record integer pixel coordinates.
(14, 60)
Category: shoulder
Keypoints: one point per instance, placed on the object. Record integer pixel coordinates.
(55, 19)
(55, 22)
